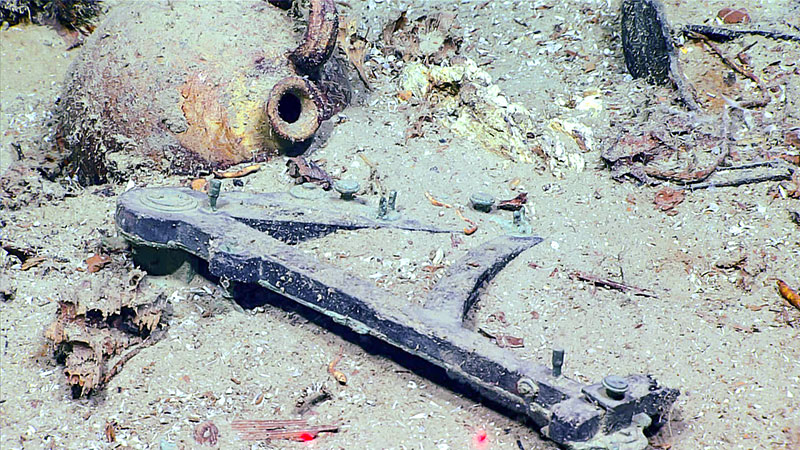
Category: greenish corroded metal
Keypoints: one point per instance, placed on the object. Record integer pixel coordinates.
(481, 201)
(169, 201)
(307, 191)
(615, 386)
(347, 188)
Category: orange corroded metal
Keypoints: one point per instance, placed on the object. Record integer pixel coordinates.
(187, 87)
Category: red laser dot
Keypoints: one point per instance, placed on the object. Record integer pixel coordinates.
(480, 439)
(305, 437)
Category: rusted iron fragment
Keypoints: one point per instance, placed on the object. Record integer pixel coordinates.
(319, 39)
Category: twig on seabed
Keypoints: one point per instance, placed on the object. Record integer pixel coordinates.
(597, 281)
(728, 34)
(732, 64)
(118, 366)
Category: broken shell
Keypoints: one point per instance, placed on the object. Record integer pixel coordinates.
(730, 15)
(438, 257)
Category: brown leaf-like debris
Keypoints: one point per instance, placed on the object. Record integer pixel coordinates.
(96, 262)
(507, 341)
(515, 204)
(306, 171)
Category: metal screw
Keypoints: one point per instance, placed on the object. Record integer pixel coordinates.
(386, 207)
(519, 217)
(213, 193)
(558, 361)
(347, 188)
(616, 386)
(382, 209)
(526, 387)
(481, 201)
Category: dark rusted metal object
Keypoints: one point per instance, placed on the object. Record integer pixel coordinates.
(649, 48)
(646, 41)
(247, 240)
(182, 87)
(319, 40)
(295, 108)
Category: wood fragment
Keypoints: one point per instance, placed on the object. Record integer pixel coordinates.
(32, 262)
(298, 430)
(504, 340)
(473, 226)
(781, 173)
(374, 177)
(435, 202)
(307, 171)
(789, 294)
(199, 185)
(757, 307)
(432, 268)
(508, 341)
(612, 284)
(727, 34)
(110, 431)
(96, 262)
(238, 173)
(20, 252)
(338, 375)
(121, 362)
(309, 404)
(355, 47)
(686, 176)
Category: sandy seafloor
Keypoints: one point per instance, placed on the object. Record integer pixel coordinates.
(731, 347)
